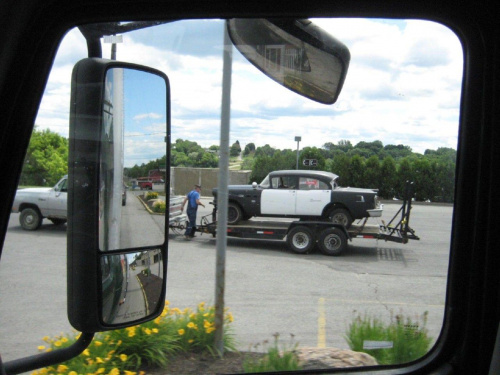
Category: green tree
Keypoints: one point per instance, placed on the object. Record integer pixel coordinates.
(235, 149)
(341, 166)
(357, 169)
(373, 175)
(46, 159)
(388, 178)
(249, 148)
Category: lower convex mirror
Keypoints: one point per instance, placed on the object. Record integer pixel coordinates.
(131, 285)
(116, 248)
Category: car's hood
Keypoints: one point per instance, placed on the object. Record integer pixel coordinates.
(32, 191)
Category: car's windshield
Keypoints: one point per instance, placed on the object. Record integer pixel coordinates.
(396, 120)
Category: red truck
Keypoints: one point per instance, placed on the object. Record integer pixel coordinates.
(147, 182)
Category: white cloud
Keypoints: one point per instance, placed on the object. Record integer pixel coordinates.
(403, 86)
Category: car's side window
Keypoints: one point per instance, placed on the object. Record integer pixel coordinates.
(311, 183)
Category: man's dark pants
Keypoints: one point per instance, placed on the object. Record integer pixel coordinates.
(191, 228)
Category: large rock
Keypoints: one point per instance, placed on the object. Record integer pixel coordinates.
(311, 358)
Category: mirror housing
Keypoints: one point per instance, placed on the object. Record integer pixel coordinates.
(107, 276)
(295, 53)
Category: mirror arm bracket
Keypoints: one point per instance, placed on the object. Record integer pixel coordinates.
(34, 362)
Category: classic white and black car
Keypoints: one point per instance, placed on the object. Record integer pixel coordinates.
(307, 195)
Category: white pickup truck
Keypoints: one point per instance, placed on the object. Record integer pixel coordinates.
(35, 204)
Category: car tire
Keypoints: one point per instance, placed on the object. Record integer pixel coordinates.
(332, 241)
(234, 213)
(30, 219)
(340, 216)
(58, 221)
(300, 239)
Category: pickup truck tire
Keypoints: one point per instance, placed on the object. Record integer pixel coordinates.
(332, 241)
(58, 221)
(300, 239)
(234, 213)
(30, 219)
(340, 216)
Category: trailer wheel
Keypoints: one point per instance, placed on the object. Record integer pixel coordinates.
(332, 241)
(340, 216)
(300, 239)
(234, 213)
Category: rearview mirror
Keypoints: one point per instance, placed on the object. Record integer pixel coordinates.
(116, 251)
(295, 53)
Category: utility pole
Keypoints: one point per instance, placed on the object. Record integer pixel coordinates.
(297, 139)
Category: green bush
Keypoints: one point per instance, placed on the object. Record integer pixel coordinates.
(160, 206)
(275, 359)
(151, 195)
(409, 337)
(153, 343)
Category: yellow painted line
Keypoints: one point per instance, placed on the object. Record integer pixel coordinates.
(321, 324)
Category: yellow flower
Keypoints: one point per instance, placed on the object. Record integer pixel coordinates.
(192, 325)
(86, 352)
(90, 361)
(230, 317)
(43, 371)
(115, 371)
(46, 339)
(58, 343)
(147, 331)
(131, 331)
(210, 329)
(62, 368)
(123, 357)
(181, 332)
(129, 372)
(207, 324)
(119, 343)
(155, 330)
(64, 339)
(190, 341)
(99, 360)
(110, 353)
(72, 373)
(41, 347)
(97, 343)
(100, 370)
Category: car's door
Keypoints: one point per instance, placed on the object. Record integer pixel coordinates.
(311, 197)
(279, 199)
(57, 200)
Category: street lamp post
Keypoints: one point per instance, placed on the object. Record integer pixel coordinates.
(297, 139)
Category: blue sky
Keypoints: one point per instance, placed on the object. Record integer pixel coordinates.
(403, 87)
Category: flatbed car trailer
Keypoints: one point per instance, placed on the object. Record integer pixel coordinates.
(332, 239)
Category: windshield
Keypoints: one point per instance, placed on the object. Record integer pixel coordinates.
(265, 182)
(395, 120)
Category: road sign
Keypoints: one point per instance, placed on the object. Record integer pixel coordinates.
(310, 162)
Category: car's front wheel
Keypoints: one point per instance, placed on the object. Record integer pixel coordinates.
(30, 219)
(340, 216)
(234, 213)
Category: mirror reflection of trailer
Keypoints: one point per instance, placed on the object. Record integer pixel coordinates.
(331, 239)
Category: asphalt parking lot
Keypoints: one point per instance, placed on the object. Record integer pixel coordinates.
(268, 288)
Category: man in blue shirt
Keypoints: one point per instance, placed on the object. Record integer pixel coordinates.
(193, 200)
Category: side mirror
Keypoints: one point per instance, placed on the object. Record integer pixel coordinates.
(295, 53)
(116, 254)
(254, 185)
